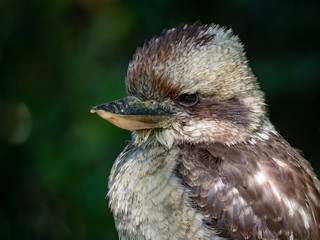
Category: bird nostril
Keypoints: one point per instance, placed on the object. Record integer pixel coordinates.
(153, 102)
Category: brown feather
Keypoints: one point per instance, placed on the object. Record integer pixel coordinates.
(237, 203)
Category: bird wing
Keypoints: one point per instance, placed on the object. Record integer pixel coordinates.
(258, 190)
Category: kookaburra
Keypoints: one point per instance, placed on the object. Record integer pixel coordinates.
(204, 161)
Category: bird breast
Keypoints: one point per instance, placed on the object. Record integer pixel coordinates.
(147, 199)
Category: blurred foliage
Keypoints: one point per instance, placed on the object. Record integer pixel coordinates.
(59, 58)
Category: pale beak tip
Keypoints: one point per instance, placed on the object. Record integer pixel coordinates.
(93, 110)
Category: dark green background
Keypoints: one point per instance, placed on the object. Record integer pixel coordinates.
(59, 58)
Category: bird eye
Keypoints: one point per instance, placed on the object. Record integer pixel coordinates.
(188, 100)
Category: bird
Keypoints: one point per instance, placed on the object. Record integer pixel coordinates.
(204, 161)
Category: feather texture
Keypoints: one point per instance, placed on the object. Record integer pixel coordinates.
(264, 190)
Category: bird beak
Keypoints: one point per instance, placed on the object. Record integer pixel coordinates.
(133, 113)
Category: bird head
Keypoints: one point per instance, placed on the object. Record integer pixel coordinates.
(192, 83)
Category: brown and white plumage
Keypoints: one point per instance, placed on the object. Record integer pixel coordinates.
(204, 162)
(262, 190)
